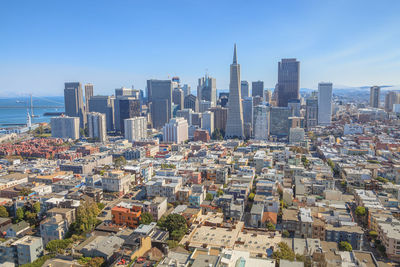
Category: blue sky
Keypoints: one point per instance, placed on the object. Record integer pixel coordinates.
(122, 43)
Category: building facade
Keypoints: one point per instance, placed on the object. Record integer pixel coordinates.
(97, 126)
(324, 103)
(65, 127)
(288, 80)
(135, 128)
(73, 100)
(176, 131)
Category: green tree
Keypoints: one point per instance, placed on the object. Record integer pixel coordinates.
(175, 224)
(146, 218)
(100, 205)
(251, 196)
(30, 217)
(58, 245)
(220, 192)
(36, 207)
(19, 214)
(86, 217)
(373, 234)
(360, 211)
(345, 246)
(217, 135)
(270, 226)
(120, 161)
(285, 233)
(283, 252)
(209, 197)
(3, 212)
(25, 192)
(95, 262)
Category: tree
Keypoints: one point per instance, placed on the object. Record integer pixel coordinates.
(373, 234)
(285, 233)
(120, 161)
(217, 135)
(146, 218)
(251, 196)
(283, 252)
(19, 214)
(25, 192)
(100, 205)
(220, 192)
(36, 207)
(360, 211)
(57, 245)
(345, 246)
(209, 197)
(86, 217)
(175, 224)
(3, 212)
(270, 226)
(94, 262)
(30, 217)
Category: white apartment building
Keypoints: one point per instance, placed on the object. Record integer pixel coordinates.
(135, 128)
(176, 131)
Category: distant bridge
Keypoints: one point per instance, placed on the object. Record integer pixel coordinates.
(16, 107)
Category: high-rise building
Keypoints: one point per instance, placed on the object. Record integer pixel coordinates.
(196, 119)
(296, 135)
(129, 107)
(234, 124)
(191, 102)
(244, 87)
(294, 105)
(391, 99)
(65, 127)
(73, 100)
(261, 121)
(324, 103)
(288, 80)
(220, 117)
(185, 113)
(279, 121)
(88, 95)
(257, 89)
(105, 105)
(124, 92)
(207, 121)
(178, 98)
(247, 103)
(311, 112)
(135, 129)
(97, 126)
(374, 96)
(176, 131)
(207, 90)
(204, 105)
(160, 99)
(186, 90)
(268, 96)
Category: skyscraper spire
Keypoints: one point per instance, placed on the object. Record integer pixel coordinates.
(234, 123)
(234, 55)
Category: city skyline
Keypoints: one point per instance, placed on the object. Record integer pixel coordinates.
(124, 48)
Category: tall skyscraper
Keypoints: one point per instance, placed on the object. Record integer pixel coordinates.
(324, 103)
(135, 128)
(207, 90)
(185, 113)
(374, 96)
(295, 105)
(129, 107)
(244, 87)
(204, 105)
(234, 124)
(105, 105)
(288, 80)
(311, 112)
(261, 120)
(97, 126)
(257, 89)
(391, 98)
(220, 117)
(178, 97)
(207, 121)
(160, 99)
(268, 96)
(191, 102)
(88, 95)
(73, 100)
(176, 131)
(247, 103)
(65, 127)
(279, 121)
(186, 90)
